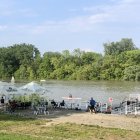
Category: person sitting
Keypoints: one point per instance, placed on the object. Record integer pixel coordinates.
(109, 109)
(46, 109)
(98, 107)
(2, 101)
(12, 106)
(62, 104)
(54, 104)
(35, 109)
(92, 105)
(70, 95)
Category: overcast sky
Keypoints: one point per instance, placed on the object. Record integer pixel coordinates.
(56, 25)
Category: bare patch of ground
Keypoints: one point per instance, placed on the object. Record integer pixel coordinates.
(105, 120)
(58, 116)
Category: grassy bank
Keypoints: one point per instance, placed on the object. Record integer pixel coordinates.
(19, 128)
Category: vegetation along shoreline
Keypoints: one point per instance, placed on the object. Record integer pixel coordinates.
(121, 61)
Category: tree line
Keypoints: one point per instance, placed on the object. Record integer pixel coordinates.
(120, 61)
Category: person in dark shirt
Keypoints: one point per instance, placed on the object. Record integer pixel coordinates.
(92, 105)
(62, 104)
(54, 104)
(2, 100)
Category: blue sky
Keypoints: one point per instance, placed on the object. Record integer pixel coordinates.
(57, 25)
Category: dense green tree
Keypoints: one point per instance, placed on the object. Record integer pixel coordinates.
(90, 57)
(115, 48)
(131, 73)
(13, 57)
(133, 57)
(120, 62)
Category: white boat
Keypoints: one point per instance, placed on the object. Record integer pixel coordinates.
(12, 80)
(43, 80)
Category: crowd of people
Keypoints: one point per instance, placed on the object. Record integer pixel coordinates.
(12, 105)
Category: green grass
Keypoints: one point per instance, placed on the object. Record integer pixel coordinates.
(19, 128)
(5, 136)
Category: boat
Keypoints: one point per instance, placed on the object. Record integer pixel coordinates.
(43, 80)
(12, 80)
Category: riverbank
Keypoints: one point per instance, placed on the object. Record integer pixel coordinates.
(68, 125)
(105, 120)
(58, 116)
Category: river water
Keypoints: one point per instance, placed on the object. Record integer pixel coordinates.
(99, 90)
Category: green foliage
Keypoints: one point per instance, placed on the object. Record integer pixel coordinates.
(115, 48)
(120, 62)
(16, 59)
(132, 73)
(21, 128)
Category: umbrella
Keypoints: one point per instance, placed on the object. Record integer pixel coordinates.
(32, 87)
(7, 90)
(7, 87)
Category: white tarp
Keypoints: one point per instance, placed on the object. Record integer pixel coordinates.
(7, 90)
(7, 87)
(32, 87)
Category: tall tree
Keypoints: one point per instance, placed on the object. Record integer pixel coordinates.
(115, 48)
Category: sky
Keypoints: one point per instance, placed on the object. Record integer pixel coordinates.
(57, 25)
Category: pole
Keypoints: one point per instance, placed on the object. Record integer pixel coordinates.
(126, 110)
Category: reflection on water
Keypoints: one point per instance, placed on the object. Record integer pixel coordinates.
(99, 90)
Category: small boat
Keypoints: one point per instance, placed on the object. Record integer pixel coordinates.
(43, 80)
(12, 80)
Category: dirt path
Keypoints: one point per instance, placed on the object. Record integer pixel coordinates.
(105, 120)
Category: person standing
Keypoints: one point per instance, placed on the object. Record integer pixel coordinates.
(92, 105)
(2, 101)
(70, 95)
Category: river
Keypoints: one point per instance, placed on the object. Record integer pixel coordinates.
(99, 90)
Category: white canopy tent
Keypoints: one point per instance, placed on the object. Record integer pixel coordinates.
(32, 87)
(8, 91)
(34, 90)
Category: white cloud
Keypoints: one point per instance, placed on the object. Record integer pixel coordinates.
(119, 11)
(128, 1)
(26, 12)
(87, 50)
(10, 8)
(78, 24)
(3, 27)
(72, 10)
(6, 7)
(98, 24)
